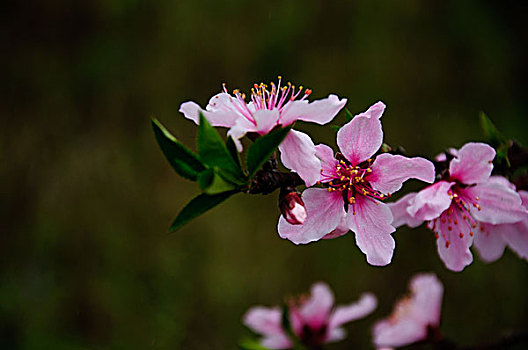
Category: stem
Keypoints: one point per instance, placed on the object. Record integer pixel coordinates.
(270, 178)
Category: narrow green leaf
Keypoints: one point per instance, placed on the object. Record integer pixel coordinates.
(211, 182)
(348, 116)
(260, 151)
(183, 160)
(197, 207)
(214, 152)
(335, 127)
(231, 147)
(493, 135)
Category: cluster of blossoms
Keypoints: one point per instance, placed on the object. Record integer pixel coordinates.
(346, 190)
(349, 190)
(315, 321)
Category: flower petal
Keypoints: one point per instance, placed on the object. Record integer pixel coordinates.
(390, 171)
(225, 118)
(328, 162)
(361, 308)
(387, 333)
(400, 214)
(430, 202)
(340, 230)
(276, 342)
(454, 240)
(266, 120)
(316, 310)
(427, 292)
(473, 163)
(335, 335)
(264, 320)
(516, 236)
(237, 131)
(370, 220)
(360, 138)
(375, 111)
(298, 154)
(410, 318)
(489, 241)
(320, 111)
(325, 211)
(498, 202)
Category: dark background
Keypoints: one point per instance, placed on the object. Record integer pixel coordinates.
(85, 258)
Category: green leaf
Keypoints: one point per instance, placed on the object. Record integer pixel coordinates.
(494, 136)
(250, 344)
(348, 116)
(260, 151)
(214, 152)
(183, 160)
(211, 182)
(335, 127)
(231, 147)
(197, 207)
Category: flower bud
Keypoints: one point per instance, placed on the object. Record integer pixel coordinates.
(292, 207)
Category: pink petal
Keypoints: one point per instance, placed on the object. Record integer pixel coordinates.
(320, 111)
(400, 214)
(360, 138)
(361, 308)
(453, 247)
(442, 156)
(390, 171)
(241, 128)
(516, 236)
(266, 120)
(324, 209)
(489, 241)
(501, 180)
(340, 230)
(225, 118)
(387, 333)
(328, 162)
(430, 202)
(375, 111)
(411, 316)
(264, 320)
(499, 203)
(370, 220)
(335, 335)
(298, 154)
(473, 163)
(427, 292)
(316, 310)
(276, 342)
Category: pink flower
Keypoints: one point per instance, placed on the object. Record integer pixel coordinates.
(314, 320)
(355, 186)
(490, 240)
(414, 316)
(266, 110)
(462, 201)
(292, 207)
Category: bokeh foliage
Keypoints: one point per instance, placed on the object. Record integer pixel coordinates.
(87, 196)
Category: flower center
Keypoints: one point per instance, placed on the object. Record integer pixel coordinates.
(352, 181)
(456, 218)
(265, 97)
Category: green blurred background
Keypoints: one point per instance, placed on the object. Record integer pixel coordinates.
(87, 196)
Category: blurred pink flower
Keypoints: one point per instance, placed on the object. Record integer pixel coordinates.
(266, 110)
(414, 316)
(314, 320)
(356, 185)
(463, 200)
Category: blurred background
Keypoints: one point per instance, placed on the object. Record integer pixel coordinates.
(87, 197)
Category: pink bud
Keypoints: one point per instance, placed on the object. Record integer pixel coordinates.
(292, 208)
